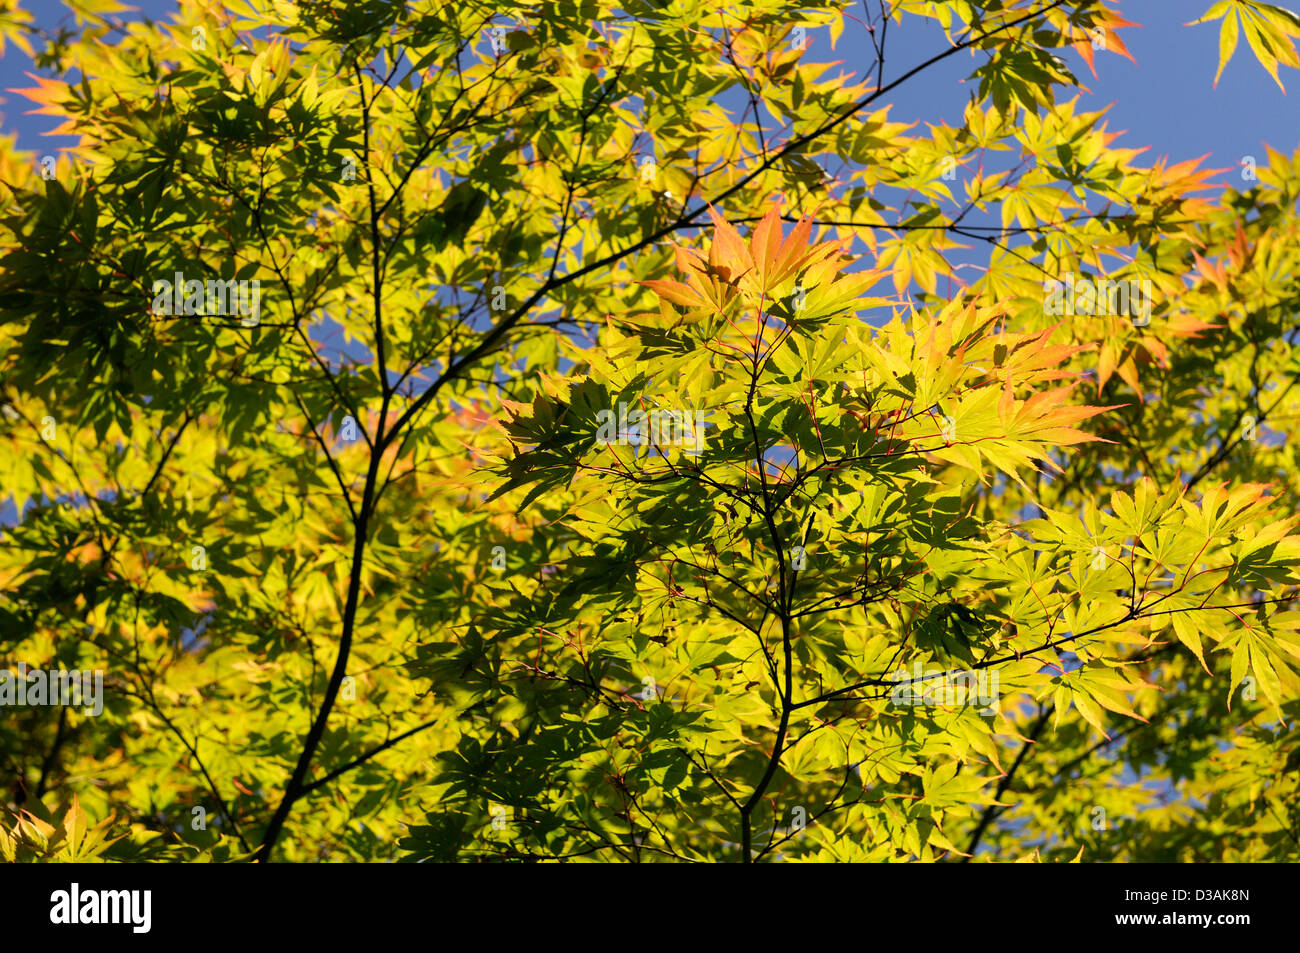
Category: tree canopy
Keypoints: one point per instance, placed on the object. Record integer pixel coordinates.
(468, 431)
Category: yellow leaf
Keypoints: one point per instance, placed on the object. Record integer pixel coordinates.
(1185, 629)
(1263, 52)
(1227, 44)
(74, 827)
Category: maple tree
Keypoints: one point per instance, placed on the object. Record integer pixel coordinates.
(611, 462)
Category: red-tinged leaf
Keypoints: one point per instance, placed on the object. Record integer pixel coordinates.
(1154, 350)
(1084, 49)
(766, 245)
(1183, 324)
(50, 93)
(1007, 402)
(1068, 436)
(676, 292)
(728, 254)
(1113, 42)
(516, 408)
(1239, 250)
(688, 262)
(1215, 274)
(1184, 177)
(792, 249)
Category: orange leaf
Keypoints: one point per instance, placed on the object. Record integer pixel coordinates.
(766, 245)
